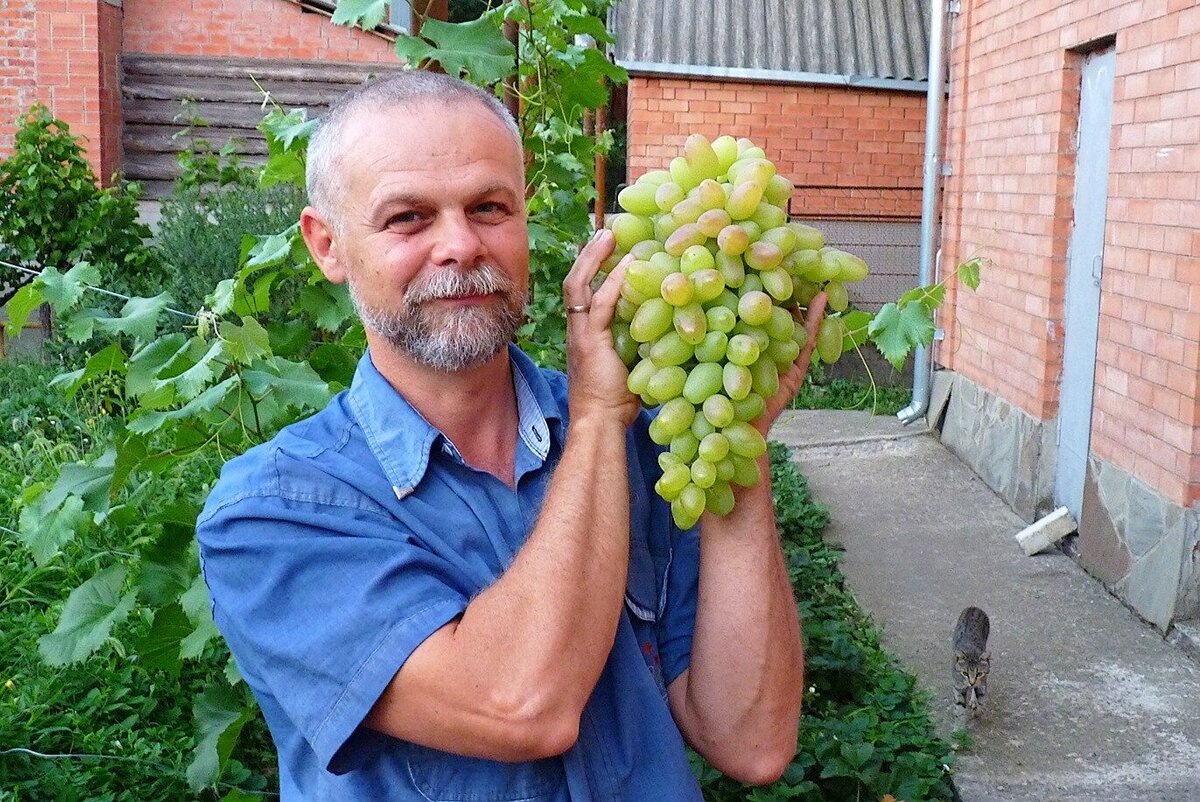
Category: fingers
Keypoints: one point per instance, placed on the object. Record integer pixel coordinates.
(604, 300)
(577, 284)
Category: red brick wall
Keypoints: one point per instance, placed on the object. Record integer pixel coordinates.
(18, 37)
(850, 152)
(245, 28)
(109, 55)
(68, 68)
(1012, 124)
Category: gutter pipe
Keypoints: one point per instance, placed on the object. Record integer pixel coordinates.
(935, 101)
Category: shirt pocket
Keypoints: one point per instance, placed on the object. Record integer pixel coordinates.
(446, 777)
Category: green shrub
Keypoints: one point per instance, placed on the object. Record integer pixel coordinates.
(866, 730)
(817, 393)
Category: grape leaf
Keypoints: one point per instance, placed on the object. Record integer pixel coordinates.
(90, 613)
(63, 290)
(159, 648)
(286, 129)
(930, 297)
(148, 361)
(896, 329)
(138, 319)
(369, 14)
(246, 342)
(219, 716)
(272, 249)
(45, 528)
(167, 571)
(855, 325)
(108, 360)
(328, 304)
(476, 49)
(968, 272)
(196, 604)
(21, 306)
(294, 382)
(210, 399)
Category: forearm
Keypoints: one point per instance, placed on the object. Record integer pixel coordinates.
(745, 681)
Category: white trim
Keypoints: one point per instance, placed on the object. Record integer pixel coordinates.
(774, 76)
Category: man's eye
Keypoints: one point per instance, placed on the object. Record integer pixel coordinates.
(491, 209)
(404, 220)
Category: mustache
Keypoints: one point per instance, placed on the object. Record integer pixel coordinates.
(453, 283)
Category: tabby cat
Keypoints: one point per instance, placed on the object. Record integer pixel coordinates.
(971, 659)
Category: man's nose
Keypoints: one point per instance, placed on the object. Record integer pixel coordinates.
(457, 241)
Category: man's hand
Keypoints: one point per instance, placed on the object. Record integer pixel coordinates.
(598, 378)
(790, 382)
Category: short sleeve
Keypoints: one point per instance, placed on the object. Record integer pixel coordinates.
(678, 621)
(321, 605)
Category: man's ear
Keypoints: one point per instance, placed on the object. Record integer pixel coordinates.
(321, 240)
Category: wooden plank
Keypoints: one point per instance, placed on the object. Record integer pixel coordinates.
(161, 139)
(348, 73)
(167, 112)
(285, 94)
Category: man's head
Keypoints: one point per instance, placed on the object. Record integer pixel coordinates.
(417, 189)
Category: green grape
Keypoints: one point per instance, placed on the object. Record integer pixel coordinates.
(745, 440)
(665, 263)
(781, 325)
(756, 333)
(829, 340)
(653, 320)
(666, 459)
(746, 471)
(836, 296)
(654, 177)
(687, 508)
(646, 248)
(725, 470)
(752, 283)
(732, 271)
(807, 237)
(783, 353)
(777, 283)
(853, 268)
(626, 309)
(754, 307)
(779, 190)
(683, 238)
(765, 377)
(667, 195)
(701, 157)
(712, 348)
(719, 410)
(733, 240)
(708, 285)
(805, 264)
(701, 428)
(691, 323)
(782, 237)
(673, 480)
(830, 266)
(711, 195)
(769, 216)
(800, 336)
(638, 199)
(748, 408)
(703, 381)
(742, 350)
(684, 446)
(737, 381)
(687, 210)
(753, 230)
(704, 473)
(713, 448)
(763, 255)
(712, 221)
(720, 319)
(639, 377)
(667, 383)
(718, 499)
(759, 172)
(695, 259)
(677, 289)
(646, 277)
(670, 349)
(727, 299)
(684, 175)
(664, 227)
(630, 229)
(744, 200)
(674, 418)
(726, 149)
(630, 293)
(624, 344)
(804, 292)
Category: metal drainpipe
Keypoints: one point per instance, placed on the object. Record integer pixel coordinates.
(930, 193)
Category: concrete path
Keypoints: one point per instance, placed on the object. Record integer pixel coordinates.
(1086, 702)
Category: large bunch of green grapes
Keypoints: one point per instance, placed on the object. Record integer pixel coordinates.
(707, 319)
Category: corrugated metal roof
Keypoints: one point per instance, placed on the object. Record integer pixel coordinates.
(874, 42)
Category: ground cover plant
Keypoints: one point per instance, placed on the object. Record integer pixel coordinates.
(122, 673)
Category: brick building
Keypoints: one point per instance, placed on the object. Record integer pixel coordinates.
(833, 92)
(1074, 151)
(116, 70)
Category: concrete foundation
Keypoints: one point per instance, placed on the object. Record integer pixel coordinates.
(1144, 548)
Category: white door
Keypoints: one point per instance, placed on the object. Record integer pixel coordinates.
(1085, 259)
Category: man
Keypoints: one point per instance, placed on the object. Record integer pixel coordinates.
(456, 581)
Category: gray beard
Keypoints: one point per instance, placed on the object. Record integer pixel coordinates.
(454, 339)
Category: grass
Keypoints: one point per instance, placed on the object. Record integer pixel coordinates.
(848, 394)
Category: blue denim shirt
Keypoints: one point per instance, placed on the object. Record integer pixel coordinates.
(334, 550)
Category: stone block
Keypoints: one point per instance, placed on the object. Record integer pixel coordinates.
(1046, 531)
(1151, 586)
(1101, 550)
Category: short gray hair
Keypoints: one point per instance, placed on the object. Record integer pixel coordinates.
(391, 90)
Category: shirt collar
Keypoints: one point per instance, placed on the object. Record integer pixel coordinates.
(401, 439)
